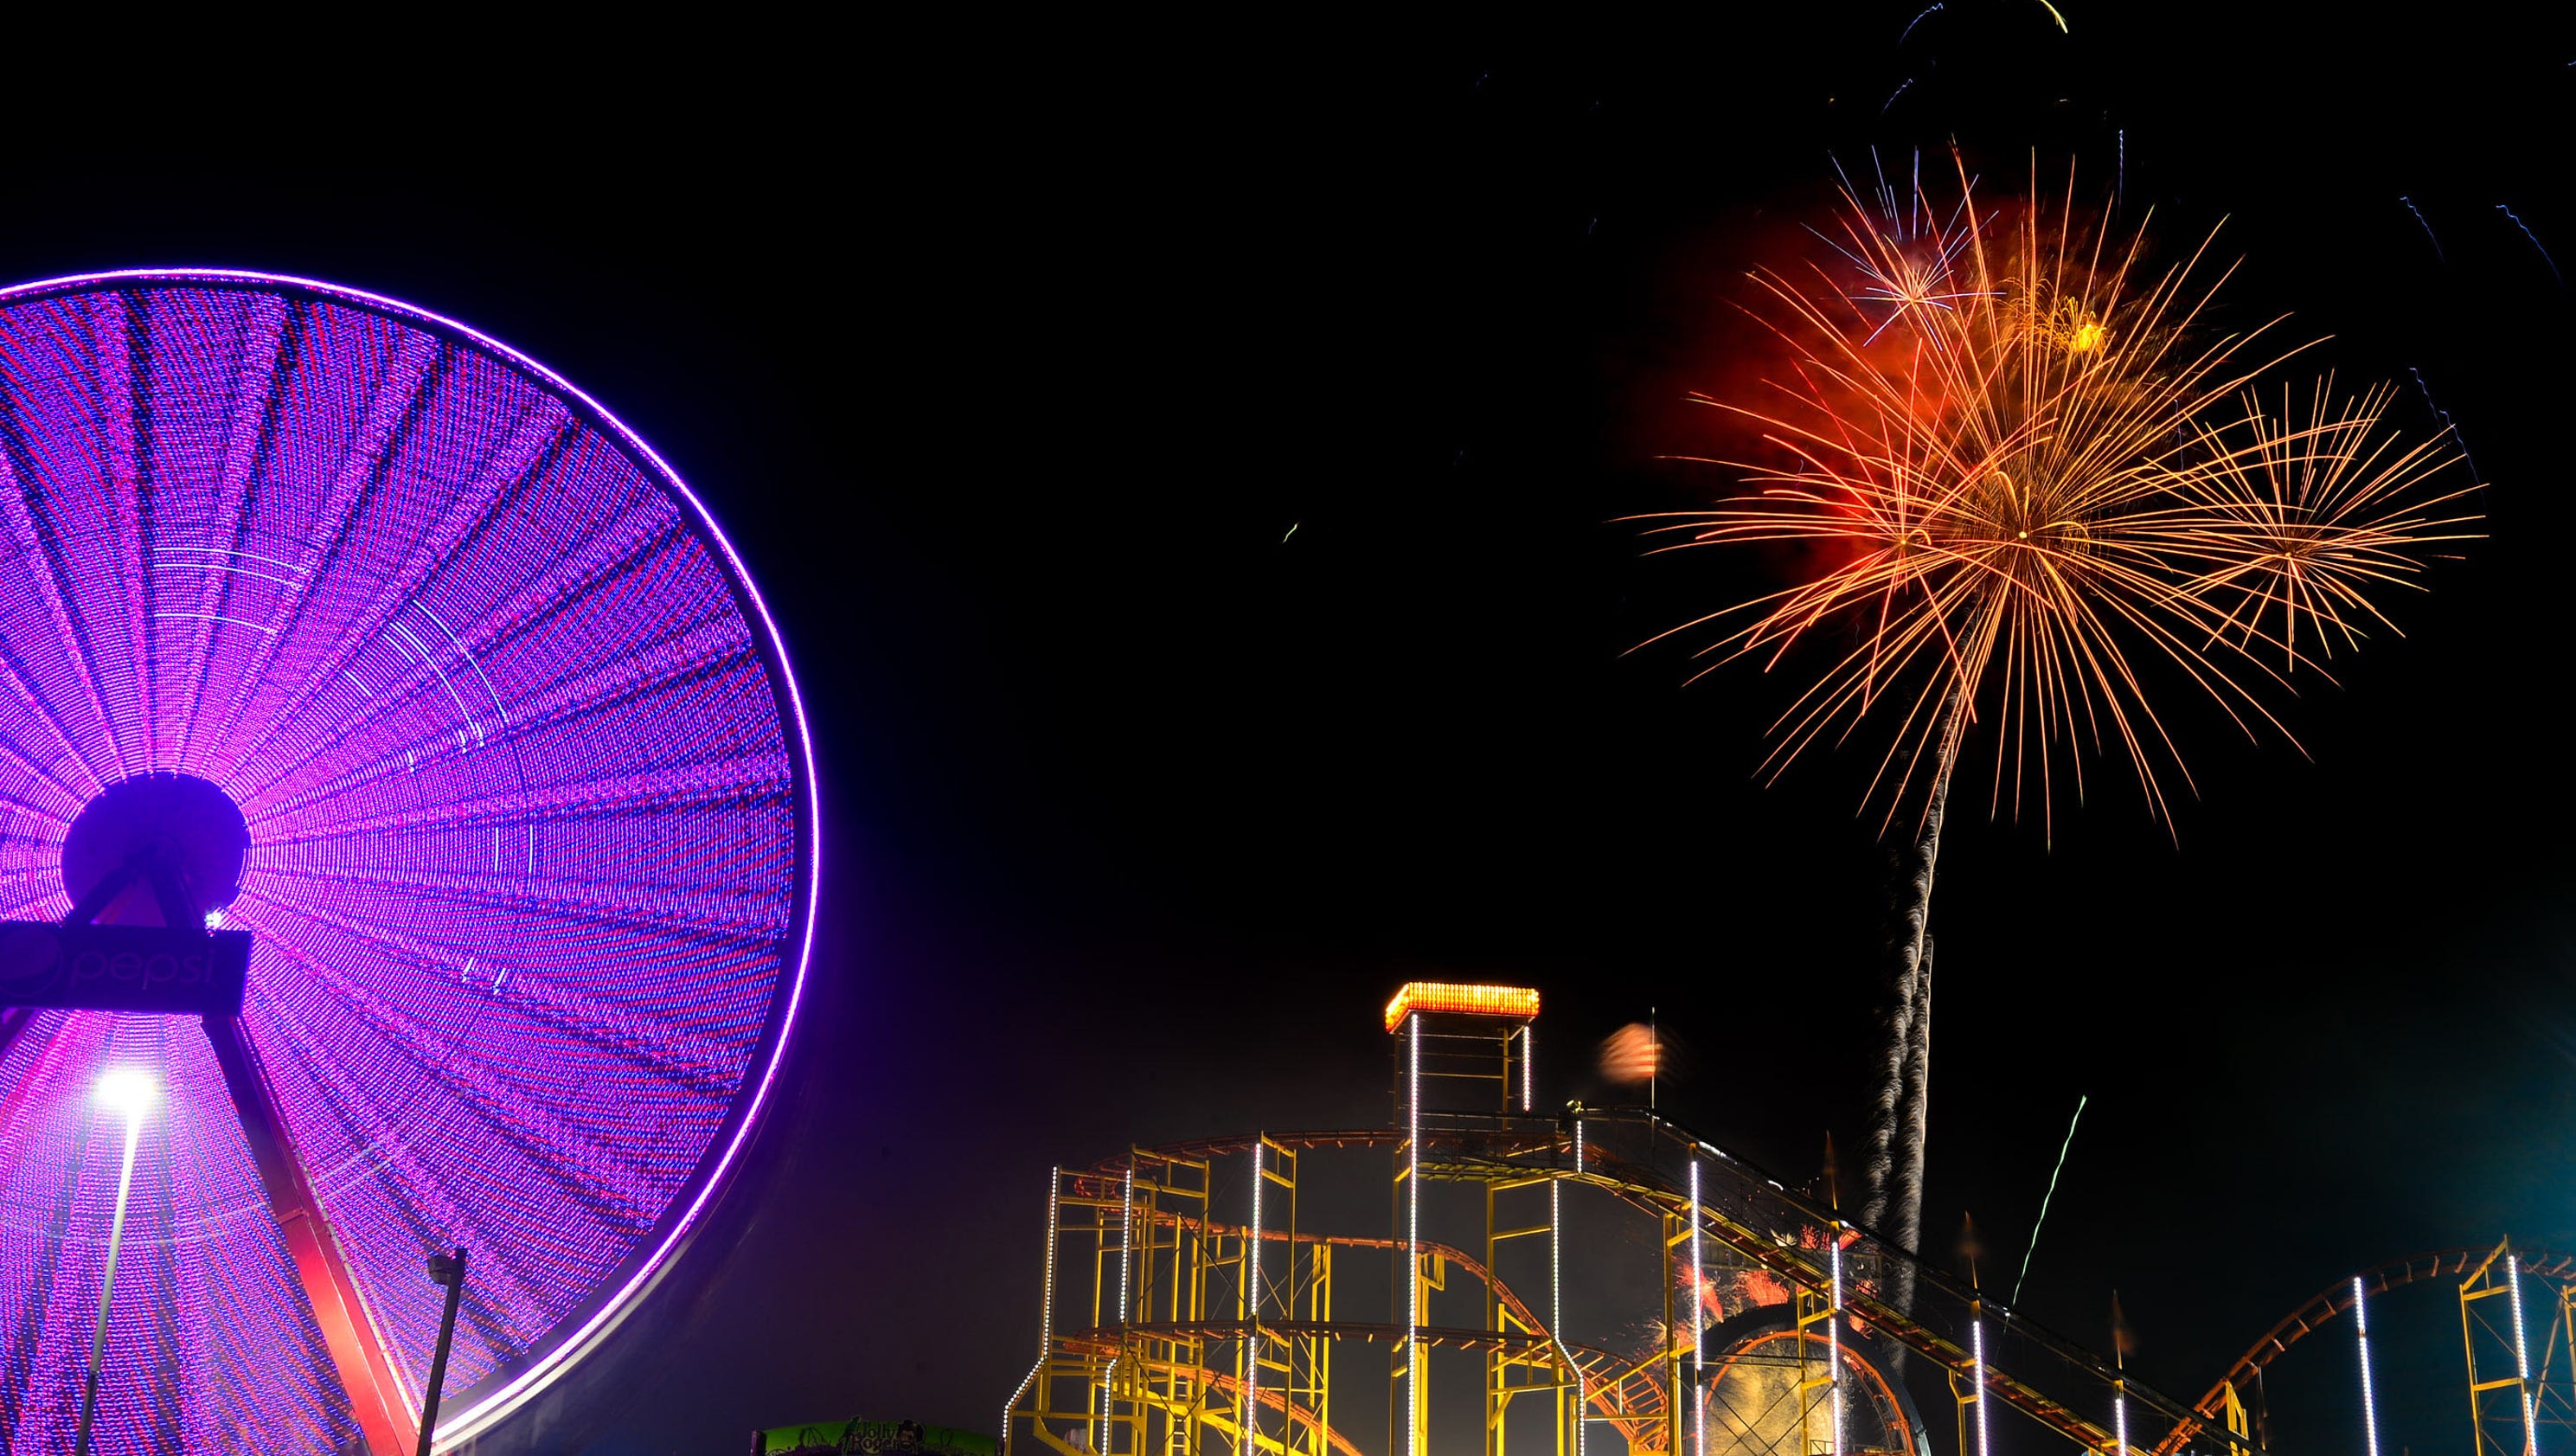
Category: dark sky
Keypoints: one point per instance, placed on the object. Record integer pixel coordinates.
(1010, 356)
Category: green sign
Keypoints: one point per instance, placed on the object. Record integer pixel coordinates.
(841, 1438)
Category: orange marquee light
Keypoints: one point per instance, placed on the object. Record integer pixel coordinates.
(1519, 1002)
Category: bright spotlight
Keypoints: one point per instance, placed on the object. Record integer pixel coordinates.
(127, 1090)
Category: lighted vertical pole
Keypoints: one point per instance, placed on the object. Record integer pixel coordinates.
(2361, 1328)
(1250, 1428)
(129, 1092)
(1413, 1239)
(1699, 1340)
(2521, 1355)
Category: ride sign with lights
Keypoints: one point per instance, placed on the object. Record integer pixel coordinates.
(123, 968)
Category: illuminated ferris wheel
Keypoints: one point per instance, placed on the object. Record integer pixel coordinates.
(399, 770)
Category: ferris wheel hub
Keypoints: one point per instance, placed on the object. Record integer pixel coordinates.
(194, 826)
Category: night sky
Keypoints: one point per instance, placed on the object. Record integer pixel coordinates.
(1009, 357)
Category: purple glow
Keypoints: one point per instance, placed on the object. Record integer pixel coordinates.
(532, 858)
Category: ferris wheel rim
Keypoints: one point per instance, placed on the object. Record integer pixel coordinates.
(598, 1316)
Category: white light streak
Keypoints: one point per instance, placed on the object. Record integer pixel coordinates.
(2521, 1356)
(1252, 1299)
(1834, 1349)
(1413, 1241)
(1556, 1309)
(1699, 1393)
(1126, 1249)
(1977, 1355)
(2369, 1415)
(1526, 1068)
(1046, 1309)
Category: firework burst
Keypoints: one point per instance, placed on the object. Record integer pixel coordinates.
(2041, 488)
(2034, 490)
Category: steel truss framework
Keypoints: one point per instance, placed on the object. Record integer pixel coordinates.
(1171, 1329)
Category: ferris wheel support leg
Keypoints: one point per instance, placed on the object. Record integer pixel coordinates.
(374, 1395)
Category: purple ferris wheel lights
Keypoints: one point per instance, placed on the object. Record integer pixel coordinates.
(532, 852)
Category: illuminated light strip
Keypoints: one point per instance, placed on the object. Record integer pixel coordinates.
(1413, 1241)
(1126, 1247)
(1252, 1299)
(2119, 1414)
(1977, 1354)
(1523, 1068)
(1448, 997)
(1046, 1310)
(2361, 1324)
(1834, 1349)
(455, 1430)
(1699, 1407)
(1556, 1310)
(2521, 1357)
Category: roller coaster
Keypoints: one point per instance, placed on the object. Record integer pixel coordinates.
(1200, 1298)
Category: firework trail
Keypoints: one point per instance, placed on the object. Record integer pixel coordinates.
(2035, 500)
(2428, 229)
(1892, 95)
(1917, 20)
(2447, 422)
(2045, 1198)
(2535, 244)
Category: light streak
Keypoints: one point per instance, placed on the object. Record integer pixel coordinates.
(1977, 1366)
(1892, 95)
(2521, 1356)
(2447, 422)
(1252, 1299)
(1699, 1331)
(1556, 1309)
(1126, 1248)
(1834, 1346)
(2042, 1220)
(1413, 1244)
(1526, 1055)
(2053, 15)
(2426, 226)
(1917, 20)
(2535, 244)
(1046, 1309)
(2369, 1414)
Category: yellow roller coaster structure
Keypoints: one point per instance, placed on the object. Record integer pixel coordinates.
(1197, 1302)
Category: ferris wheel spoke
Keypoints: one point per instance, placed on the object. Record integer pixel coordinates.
(693, 1061)
(712, 918)
(522, 453)
(417, 1194)
(254, 396)
(627, 542)
(553, 708)
(541, 1132)
(111, 327)
(388, 408)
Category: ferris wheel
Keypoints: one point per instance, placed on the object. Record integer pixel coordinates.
(437, 720)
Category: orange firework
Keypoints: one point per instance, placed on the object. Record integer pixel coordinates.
(2042, 482)
(2036, 490)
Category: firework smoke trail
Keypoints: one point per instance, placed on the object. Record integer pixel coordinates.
(2428, 228)
(2017, 471)
(2535, 244)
